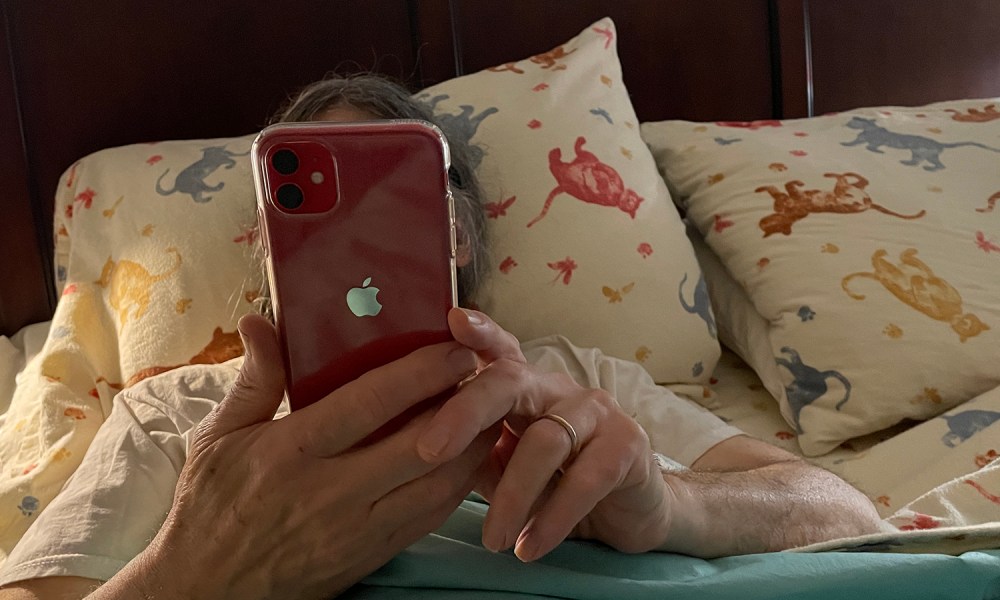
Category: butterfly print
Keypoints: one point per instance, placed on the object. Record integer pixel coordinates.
(587, 178)
(609, 35)
(249, 236)
(507, 264)
(86, 197)
(721, 223)
(565, 269)
(72, 174)
(152, 160)
(499, 209)
(645, 249)
(984, 244)
(614, 295)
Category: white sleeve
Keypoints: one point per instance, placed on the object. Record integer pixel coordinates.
(116, 501)
(677, 427)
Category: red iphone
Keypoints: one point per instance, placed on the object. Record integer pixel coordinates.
(358, 228)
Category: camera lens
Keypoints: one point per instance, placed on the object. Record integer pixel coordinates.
(290, 196)
(285, 161)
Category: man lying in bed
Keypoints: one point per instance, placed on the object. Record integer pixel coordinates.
(189, 491)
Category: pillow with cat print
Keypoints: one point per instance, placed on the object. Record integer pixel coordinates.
(154, 245)
(586, 241)
(866, 247)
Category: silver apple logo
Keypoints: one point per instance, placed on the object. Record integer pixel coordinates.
(362, 300)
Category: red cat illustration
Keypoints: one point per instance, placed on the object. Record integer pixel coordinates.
(847, 197)
(587, 178)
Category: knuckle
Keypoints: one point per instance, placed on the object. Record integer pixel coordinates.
(370, 404)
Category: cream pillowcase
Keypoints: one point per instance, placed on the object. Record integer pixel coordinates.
(867, 243)
(587, 243)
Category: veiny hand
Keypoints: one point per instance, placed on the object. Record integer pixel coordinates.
(295, 508)
(611, 491)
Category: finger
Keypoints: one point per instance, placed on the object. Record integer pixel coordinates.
(440, 490)
(356, 410)
(480, 333)
(542, 450)
(605, 465)
(260, 385)
(480, 403)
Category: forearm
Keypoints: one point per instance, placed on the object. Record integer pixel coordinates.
(774, 507)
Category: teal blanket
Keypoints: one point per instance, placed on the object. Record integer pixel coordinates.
(451, 564)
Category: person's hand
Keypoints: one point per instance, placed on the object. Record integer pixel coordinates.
(541, 489)
(295, 507)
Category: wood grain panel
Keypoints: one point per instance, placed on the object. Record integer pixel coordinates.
(24, 278)
(904, 52)
(681, 59)
(101, 74)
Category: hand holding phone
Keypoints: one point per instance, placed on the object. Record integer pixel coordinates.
(358, 229)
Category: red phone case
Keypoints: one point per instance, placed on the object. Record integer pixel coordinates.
(379, 216)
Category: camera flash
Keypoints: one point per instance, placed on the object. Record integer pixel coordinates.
(316, 177)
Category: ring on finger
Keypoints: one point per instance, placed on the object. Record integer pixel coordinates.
(574, 439)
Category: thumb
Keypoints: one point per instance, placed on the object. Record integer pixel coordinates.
(260, 385)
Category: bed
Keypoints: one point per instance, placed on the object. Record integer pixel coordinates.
(833, 277)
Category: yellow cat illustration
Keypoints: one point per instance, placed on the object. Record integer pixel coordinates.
(129, 285)
(914, 283)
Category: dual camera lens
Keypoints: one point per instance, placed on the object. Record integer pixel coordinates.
(289, 195)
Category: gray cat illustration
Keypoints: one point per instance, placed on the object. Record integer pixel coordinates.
(191, 180)
(808, 384)
(702, 305)
(921, 148)
(464, 124)
(966, 424)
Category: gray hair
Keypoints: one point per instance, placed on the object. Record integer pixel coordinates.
(386, 99)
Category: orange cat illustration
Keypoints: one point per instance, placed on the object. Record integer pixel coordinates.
(848, 196)
(225, 345)
(974, 115)
(130, 285)
(587, 178)
(550, 59)
(914, 283)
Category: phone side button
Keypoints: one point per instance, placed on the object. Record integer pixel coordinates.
(453, 242)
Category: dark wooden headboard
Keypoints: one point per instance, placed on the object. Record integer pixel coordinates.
(76, 77)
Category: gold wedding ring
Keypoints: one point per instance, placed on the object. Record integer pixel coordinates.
(574, 439)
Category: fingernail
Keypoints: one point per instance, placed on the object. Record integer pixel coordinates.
(526, 548)
(246, 346)
(433, 441)
(473, 317)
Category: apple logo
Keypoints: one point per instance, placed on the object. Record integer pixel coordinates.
(362, 300)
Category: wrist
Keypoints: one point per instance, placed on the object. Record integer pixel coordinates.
(687, 525)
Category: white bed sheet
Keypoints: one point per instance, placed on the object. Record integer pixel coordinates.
(15, 352)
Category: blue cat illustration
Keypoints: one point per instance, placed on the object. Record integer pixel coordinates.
(191, 180)
(921, 148)
(463, 125)
(808, 384)
(702, 305)
(966, 424)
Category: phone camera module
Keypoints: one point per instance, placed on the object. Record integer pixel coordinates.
(285, 161)
(290, 196)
